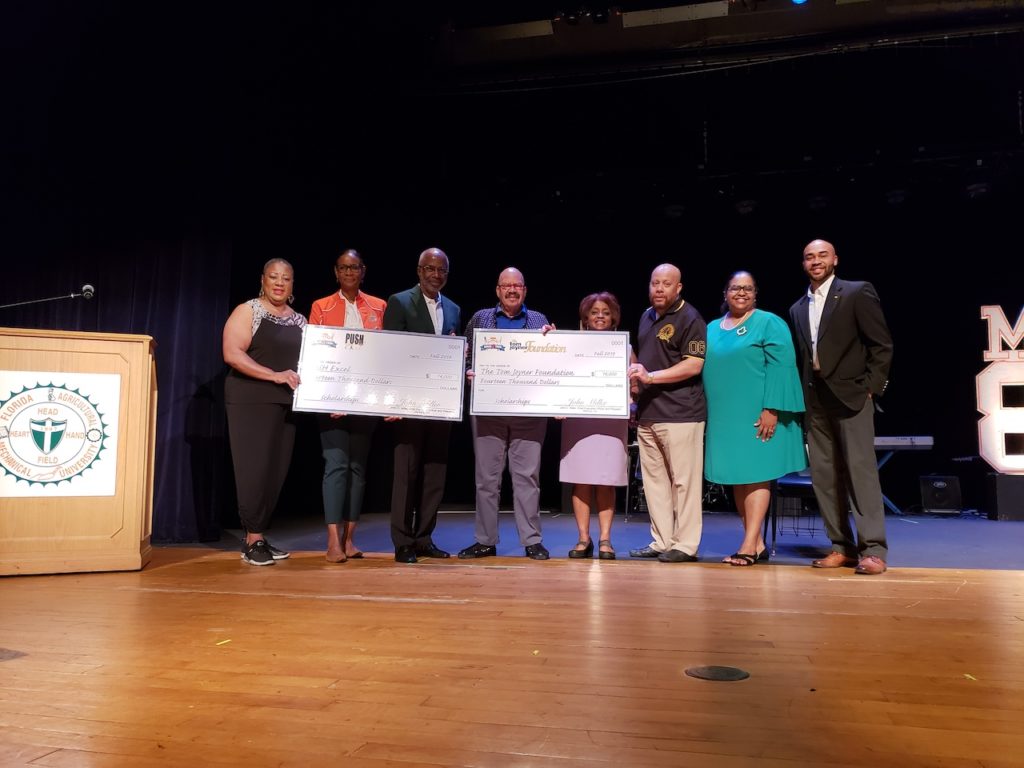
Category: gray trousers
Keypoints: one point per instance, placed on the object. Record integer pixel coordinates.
(844, 473)
(521, 438)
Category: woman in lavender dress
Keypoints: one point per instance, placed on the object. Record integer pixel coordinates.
(594, 450)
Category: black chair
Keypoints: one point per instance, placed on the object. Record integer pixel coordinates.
(794, 485)
(636, 502)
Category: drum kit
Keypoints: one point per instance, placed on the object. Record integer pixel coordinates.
(714, 495)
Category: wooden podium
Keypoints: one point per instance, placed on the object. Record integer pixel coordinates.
(41, 532)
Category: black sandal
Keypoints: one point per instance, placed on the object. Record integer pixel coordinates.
(743, 557)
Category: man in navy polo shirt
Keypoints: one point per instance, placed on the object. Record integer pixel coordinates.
(518, 437)
(671, 412)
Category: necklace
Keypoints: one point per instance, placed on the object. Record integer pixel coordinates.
(737, 323)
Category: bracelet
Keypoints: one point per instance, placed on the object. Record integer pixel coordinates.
(650, 377)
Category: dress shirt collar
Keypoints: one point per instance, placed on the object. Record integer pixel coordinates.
(823, 289)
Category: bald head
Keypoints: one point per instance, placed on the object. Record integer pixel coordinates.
(511, 291)
(820, 261)
(433, 253)
(820, 245)
(666, 285)
(432, 271)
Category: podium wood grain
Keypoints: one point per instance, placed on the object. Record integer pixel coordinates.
(202, 660)
(41, 534)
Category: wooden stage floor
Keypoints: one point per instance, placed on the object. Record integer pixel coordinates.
(201, 660)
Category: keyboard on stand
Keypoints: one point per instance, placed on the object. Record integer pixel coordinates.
(887, 445)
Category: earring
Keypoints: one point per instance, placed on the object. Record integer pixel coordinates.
(261, 291)
(291, 299)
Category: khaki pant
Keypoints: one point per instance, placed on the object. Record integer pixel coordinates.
(672, 462)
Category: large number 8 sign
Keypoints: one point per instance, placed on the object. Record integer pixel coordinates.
(1002, 425)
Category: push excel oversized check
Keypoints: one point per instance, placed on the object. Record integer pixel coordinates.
(381, 373)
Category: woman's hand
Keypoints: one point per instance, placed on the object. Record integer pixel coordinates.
(289, 377)
(338, 415)
(766, 425)
(549, 327)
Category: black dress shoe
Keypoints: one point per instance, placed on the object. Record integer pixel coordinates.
(676, 556)
(647, 552)
(405, 555)
(431, 550)
(478, 550)
(537, 552)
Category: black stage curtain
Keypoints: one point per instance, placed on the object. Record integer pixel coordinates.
(176, 292)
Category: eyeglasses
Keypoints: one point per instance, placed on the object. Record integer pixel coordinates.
(511, 286)
(349, 267)
(739, 288)
(430, 269)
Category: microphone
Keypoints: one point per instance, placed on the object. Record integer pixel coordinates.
(88, 291)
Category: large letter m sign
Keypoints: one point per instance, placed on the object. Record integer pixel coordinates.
(1001, 393)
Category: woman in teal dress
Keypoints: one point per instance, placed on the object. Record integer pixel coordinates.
(754, 430)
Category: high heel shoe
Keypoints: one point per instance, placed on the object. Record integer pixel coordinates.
(602, 554)
(580, 554)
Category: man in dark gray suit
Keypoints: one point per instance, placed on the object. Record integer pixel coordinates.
(845, 351)
(421, 445)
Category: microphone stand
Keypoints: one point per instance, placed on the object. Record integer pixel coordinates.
(71, 295)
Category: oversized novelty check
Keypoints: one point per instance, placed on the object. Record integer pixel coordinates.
(563, 373)
(380, 373)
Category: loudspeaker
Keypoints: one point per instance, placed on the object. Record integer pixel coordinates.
(1006, 497)
(940, 495)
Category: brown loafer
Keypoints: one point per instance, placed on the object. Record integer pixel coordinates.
(834, 560)
(870, 566)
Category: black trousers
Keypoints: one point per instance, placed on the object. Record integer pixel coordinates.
(262, 436)
(421, 464)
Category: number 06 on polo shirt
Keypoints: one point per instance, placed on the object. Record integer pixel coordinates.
(563, 373)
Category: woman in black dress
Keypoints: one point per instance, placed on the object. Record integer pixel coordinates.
(262, 338)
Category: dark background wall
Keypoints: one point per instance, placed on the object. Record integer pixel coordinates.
(164, 152)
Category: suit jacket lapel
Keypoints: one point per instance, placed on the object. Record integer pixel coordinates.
(803, 322)
(445, 312)
(835, 293)
(420, 312)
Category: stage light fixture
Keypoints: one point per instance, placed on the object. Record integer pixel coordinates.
(818, 202)
(978, 190)
(799, 2)
(599, 15)
(896, 196)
